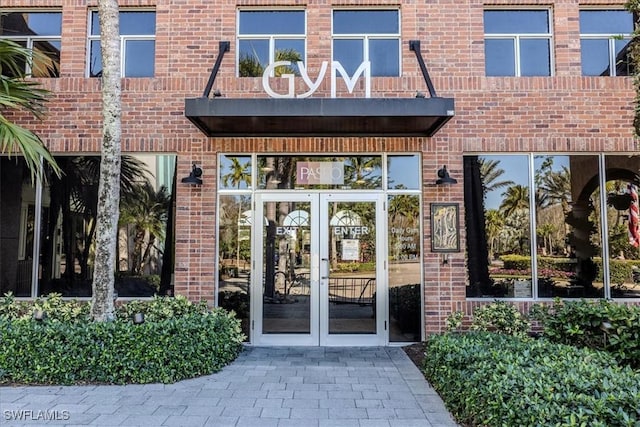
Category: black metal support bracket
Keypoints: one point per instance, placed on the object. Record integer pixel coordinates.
(224, 47)
(414, 45)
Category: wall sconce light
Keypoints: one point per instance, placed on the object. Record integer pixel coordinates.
(39, 315)
(138, 318)
(444, 178)
(194, 176)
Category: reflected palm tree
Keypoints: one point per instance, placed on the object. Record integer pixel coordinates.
(72, 210)
(490, 173)
(239, 173)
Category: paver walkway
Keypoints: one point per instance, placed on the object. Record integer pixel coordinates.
(276, 386)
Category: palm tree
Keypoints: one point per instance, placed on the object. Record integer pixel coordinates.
(516, 198)
(239, 173)
(18, 94)
(147, 214)
(494, 222)
(490, 173)
(249, 64)
(102, 306)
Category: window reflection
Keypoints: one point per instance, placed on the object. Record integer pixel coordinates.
(623, 225)
(605, 37)
(501, 225)
(344, 173)
(405, 275)
(403, 172)
(66, 214)
(234, 255)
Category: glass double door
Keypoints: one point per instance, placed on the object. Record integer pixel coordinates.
(319, 269)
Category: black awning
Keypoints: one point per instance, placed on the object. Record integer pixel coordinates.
(319, 116)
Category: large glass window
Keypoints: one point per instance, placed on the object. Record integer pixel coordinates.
(137, 44)
(367, 35)
(517, 43)
(39, 31)
(605, 38)
(54, 236)
(586, 236)
(267, 36)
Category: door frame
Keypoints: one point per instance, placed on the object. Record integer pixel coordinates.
(319, 289)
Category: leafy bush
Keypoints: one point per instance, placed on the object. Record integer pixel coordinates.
(54, 307)
(178, 340)
(595, 324)
(160, 308)
(497, 380)
(500, 317)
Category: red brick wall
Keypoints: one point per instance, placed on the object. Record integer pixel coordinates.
(563, 113)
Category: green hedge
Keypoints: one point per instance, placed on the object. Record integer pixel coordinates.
(602, 324)
(178, 340)
(490, 379)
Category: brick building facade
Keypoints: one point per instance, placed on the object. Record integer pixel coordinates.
(499, 117)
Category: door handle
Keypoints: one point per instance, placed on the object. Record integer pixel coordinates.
(325, 267)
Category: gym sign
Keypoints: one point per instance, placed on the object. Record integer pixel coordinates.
(336, 67)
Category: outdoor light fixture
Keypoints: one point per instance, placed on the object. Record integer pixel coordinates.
(444, 178)
(194, 176)
(138, 318)
(39, 315)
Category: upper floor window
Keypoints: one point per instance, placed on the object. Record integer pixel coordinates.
(40, 32)
(137, 44)
(367, 35)
(517, 42)
(267, 36)
(605, 38)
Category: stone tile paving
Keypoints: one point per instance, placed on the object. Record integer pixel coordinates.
(265, 386)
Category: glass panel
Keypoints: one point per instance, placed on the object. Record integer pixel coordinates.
(365, 22)
(289, 50)
(286, 262)
(352, 274)
(137, 23)
(139, 58)
(17, 221)
(271, 22)
(253, 57)
(403, 172)
(345, 173)
(516, 22)
(235, 172)
(145, 236)
(595, 57)
(535, 57)
(234, 256)
(384, 57)
(559, 203)
(499, 224)
(623, 225)
(405, 268)
(349, 53)
(95, 58)
(624, 65)
(31, 24)
(131, 23)
(606, 22)
(500, 57)
(49, 66)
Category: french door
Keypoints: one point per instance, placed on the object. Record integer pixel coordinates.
(319, 276)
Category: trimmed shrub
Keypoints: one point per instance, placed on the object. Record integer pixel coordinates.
(500, 317)
(498, 380)
(178, 340)
(599, 324)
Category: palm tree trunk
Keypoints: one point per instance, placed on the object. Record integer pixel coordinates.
(102, 304)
